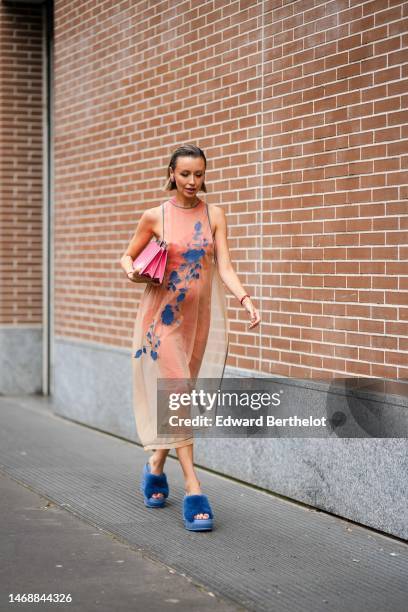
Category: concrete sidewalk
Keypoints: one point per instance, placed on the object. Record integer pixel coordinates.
(45, 549)
(264, 553)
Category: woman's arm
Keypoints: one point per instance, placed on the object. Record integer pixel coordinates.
(227, 272)
(142, 235)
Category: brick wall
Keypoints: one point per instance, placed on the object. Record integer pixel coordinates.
(300, 110)
(335, 195)
(21, 165)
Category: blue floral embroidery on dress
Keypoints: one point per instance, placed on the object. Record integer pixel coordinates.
(167, 315)
(153, 341)
(185, 273)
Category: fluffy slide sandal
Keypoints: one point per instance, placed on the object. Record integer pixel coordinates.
(197, 504)
(153, 483)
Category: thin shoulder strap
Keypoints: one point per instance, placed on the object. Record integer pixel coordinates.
(163, 220)
(212, 237)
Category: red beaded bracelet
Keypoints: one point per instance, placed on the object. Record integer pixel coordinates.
(243, 297)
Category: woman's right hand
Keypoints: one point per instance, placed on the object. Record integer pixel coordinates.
(131, 276)
(134, 277)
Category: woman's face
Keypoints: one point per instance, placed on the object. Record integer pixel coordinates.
(188, 174)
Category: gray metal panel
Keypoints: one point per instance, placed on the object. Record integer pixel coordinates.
(265, 553)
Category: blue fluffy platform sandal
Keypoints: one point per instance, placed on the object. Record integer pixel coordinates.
(153, 483)
(197, 504)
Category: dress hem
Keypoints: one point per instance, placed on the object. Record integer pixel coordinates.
(169, 445)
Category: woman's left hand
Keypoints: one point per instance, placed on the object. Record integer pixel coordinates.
(253, 313)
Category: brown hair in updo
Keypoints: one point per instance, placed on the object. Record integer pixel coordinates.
(183, 151)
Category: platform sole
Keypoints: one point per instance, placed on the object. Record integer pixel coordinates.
(202, 525)
(152, 504)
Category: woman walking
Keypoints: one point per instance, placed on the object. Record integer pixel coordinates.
(181, 328)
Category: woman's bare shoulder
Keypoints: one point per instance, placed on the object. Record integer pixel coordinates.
(217, 214)
(218, 210)
(153, 219)
(152, 214)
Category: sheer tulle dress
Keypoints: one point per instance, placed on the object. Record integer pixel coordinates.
(181, 329)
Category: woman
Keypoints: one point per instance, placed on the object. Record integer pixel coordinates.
(181, 329)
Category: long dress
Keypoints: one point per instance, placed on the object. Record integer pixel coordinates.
(181, 328)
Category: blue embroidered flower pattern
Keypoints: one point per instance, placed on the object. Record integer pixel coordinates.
(167, 315)
(153, 341)
(178, 282)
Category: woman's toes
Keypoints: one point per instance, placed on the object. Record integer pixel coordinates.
(157, 495)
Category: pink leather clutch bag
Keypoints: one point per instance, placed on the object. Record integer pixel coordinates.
(151, 263)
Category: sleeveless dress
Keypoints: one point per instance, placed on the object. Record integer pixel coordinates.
(181, 328)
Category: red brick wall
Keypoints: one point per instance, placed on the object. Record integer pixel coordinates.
(335, 177)
(300, 112)
(20, 165)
